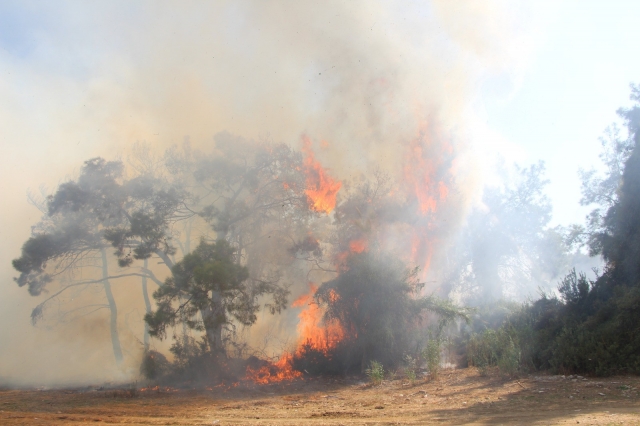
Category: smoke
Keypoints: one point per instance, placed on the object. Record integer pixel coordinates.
(362, 79)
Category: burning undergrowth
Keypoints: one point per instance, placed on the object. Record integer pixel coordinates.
(372, 311)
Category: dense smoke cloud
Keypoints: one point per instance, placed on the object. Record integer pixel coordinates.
(362, 79)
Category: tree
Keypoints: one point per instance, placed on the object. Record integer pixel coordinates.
(603, 190)
(85, 217)
(619, 241)
(507, 246)
(251, 194)
(377, 303)
(595, 325)
(208, 281)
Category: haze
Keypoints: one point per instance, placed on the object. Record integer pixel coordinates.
(523, 81)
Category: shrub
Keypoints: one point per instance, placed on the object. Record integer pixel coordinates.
(431, 354)
(375, 372)
(411, 368)
(154, 365)
(494, 348)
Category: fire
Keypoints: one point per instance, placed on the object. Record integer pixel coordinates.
(158, 389)
(358, 246)
(274, 373)
(321, 189)
(427, 173)
(422, 171)
(312, 334)
(428, 170)
(312, 331)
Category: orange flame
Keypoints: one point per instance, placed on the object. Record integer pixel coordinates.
(358, 246)
(422, 169)
(274, 373)
(321, 189)
(312, 331)
(313, 334)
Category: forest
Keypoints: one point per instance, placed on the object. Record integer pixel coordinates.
(382, 272)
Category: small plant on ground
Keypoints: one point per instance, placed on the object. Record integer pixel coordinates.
(431, 354)
(375, 372)
(411, 368)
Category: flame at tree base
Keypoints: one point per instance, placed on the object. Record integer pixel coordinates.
(274, 373)
(315, 337)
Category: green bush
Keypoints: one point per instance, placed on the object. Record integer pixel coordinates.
(411, 368)
(375, 372)
(494, 348)
(431, 354)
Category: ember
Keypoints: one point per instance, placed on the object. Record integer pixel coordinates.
(158, 389)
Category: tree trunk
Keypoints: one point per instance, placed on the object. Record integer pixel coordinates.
(115, 339)
(147, 305)
(213, 329)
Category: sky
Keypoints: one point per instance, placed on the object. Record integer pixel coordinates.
(577, 77)
(526, 81)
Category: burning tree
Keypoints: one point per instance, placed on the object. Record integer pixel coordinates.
(377, 304)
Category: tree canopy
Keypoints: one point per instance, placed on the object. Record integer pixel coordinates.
(208, 282)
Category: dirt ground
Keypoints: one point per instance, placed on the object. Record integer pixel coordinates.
(455, 397)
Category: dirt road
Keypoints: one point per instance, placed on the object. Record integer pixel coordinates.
(455, 397)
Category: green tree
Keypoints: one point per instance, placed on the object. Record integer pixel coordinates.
(209, 282)
(602, 190)
(619, 241)
(595, 325)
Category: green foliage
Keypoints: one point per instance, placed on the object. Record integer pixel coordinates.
(411, 368)
(432, 354)
(594, 326)
(99, 209)
(375, 372)
(209, 284)
(494, 348)
(187, 351)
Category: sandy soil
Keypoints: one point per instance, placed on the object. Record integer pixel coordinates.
(455, 397)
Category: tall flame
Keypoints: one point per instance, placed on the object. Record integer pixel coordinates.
(321, 189)
(313, 334)
(427, 171)
(312, 331)
(423, 170)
